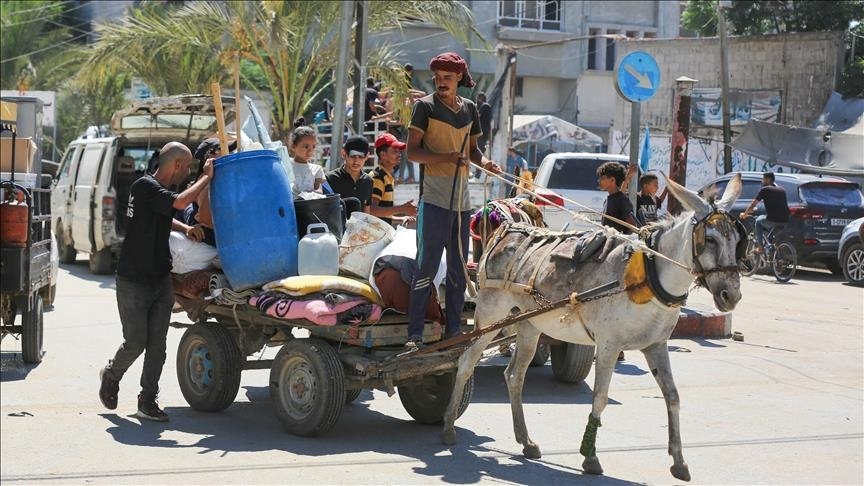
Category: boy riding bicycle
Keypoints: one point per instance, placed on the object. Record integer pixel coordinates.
(776, 208)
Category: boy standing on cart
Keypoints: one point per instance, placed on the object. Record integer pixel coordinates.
(144, 292)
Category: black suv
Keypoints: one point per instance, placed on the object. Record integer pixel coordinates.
(820, 207)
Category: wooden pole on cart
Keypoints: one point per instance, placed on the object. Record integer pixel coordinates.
(216, 91)
(237, 103)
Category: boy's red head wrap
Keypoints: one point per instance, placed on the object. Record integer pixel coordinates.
(451, 62)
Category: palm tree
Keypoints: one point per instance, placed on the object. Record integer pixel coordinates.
(294, 43)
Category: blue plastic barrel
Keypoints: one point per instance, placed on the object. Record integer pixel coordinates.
(253, 216)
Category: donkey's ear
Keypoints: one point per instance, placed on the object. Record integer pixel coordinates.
(689, 199)
(731, 194)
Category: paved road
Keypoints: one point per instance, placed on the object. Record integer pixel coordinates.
(784, 406)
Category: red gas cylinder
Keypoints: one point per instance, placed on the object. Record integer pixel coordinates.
(13, 223)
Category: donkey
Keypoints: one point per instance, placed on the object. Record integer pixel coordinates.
(640, 314)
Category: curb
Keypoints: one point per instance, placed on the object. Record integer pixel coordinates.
(704, 324)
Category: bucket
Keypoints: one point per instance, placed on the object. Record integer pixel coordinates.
(327, 210)
(253, 216)
(318, 252)
(365, 236)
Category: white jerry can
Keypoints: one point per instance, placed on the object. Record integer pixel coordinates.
(318, 251)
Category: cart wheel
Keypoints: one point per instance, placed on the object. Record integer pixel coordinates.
(541, 356)
(32, 332)
(208, 367)
(101, 262)
(427, 400)
(351, 395)
(307, 384)
(571, 362)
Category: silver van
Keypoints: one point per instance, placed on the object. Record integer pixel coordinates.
(91, 191)
(572, 176)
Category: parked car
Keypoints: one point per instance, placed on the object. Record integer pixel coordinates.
(850, 253)
(91, 192)
(820, 207)
(572, 175)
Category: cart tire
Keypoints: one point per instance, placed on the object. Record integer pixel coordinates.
(32, 332)
(427, 400)
(571, 362)
(541, 356)
(351, 395)
(208, 367)
(307, 385)
(101, 262)
(65, 251)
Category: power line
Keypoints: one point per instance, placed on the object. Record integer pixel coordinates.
(45, 48)
(399, 44)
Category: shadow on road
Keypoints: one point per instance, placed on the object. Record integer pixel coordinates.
(81, 270)
(252, 427)
(12, 368)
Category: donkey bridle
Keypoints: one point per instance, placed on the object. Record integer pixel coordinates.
(699, 272)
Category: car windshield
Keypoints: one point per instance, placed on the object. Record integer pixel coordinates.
(751, 187)
(832, 194)
(575, 174)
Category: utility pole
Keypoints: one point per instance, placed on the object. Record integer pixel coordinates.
(502, 140)
(338, 127)
(680, 136)
(724, 87)
(362, 16)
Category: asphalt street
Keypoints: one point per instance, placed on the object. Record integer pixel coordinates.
(784, 406)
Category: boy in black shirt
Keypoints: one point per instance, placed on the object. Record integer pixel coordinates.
(647, 202)
(609, 177)
(349, 181)
(776, 207)
(145, 295)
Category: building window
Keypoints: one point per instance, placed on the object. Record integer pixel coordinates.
(650, 35)
(610, 52)
(517, 90)
(530, 14)
(592, 48)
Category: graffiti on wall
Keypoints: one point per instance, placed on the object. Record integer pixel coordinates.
(704, 157)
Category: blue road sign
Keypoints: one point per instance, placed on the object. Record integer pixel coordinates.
(637, 77)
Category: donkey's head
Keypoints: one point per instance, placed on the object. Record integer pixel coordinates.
(718, 241)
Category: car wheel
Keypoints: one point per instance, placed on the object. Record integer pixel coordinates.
(853, 264)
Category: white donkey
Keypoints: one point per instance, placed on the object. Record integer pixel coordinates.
(519, 271)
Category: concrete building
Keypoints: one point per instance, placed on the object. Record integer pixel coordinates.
(571, 79)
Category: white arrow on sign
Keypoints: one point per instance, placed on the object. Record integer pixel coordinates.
(642, 79)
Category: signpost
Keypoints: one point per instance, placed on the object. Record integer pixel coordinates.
(636, 80)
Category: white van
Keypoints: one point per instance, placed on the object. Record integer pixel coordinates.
(572, 176)
(90, 194)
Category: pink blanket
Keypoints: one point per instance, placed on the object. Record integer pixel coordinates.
(321, 311)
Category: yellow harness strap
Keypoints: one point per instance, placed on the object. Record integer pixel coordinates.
(636, 280)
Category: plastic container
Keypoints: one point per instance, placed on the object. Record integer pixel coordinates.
(365, 236)
(328, 210)
(318, 252)
(13, 223)
(253, 216)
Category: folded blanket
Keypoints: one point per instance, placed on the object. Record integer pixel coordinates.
(309, 284)
(321, 311)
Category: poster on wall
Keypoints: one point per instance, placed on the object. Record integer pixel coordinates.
(744, 105)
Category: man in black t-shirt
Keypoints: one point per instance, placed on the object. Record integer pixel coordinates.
(776, 208)
(609, 177)
(144, 292)
(349, 181)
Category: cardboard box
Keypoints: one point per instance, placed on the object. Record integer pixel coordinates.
(25, 154)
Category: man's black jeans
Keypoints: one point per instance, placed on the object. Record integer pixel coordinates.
(145, 312)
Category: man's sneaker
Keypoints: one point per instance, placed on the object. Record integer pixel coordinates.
(108, 390)
(414, 343)
(149, 409)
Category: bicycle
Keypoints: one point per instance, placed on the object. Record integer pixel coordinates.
(782, 256)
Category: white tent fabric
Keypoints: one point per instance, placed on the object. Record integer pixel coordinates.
(535, 128)
(806, 149)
